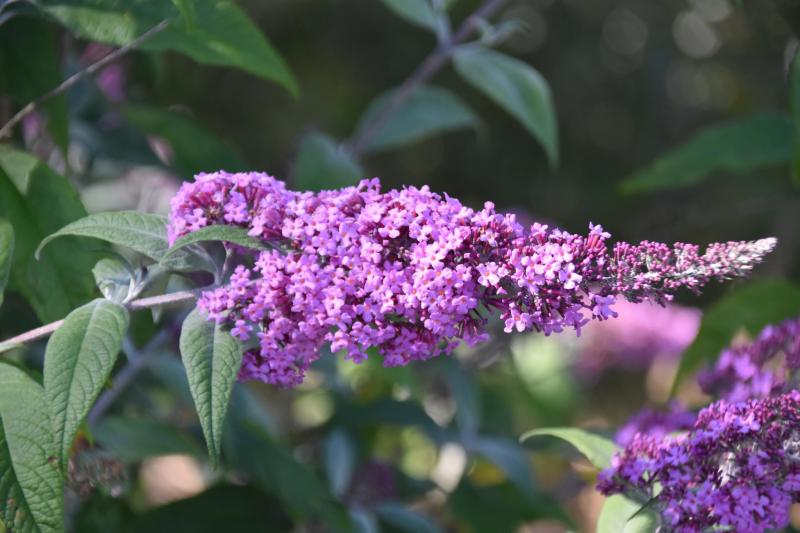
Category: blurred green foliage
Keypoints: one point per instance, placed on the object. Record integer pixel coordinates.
(657, 119)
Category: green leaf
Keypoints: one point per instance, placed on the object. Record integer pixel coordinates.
(510, 507)
(37, 201)
(751, 307)
(134, 439)
(598, 450)
(339, 457)
(141, 232)
(232, 234)
(516, 87)
(6, 253)
(222, 34)
(113, 277)
(273, 469)
(428, 111)
(794, 105)
(398, 516)
(738, 146)
(31, 490)
(417, 12)
(187, 11)
(466, 396)
(622, 515)
(29, 68)
(323, 164)
(77, 363)
(220, 508)
(212, 358)
(195, 148)
(506, 455)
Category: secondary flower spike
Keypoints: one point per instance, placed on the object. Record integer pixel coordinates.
(412, 272)
(737, 469)
(763, 367)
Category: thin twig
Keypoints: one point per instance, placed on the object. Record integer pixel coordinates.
(136, 305)
(5, 131)
(430, 66)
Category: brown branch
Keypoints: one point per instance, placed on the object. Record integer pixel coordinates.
(430, 66)
(5, 131)
(135, 305)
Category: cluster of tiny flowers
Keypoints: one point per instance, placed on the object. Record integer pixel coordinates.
(641, 334)
(656, 423)
(412, 273)
(738, 469)
(756, 369)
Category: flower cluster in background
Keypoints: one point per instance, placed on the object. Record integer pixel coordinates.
(738, 465)
(758, 368)
(656, 423)
(641, 334)
(738, 468)
(413, 273)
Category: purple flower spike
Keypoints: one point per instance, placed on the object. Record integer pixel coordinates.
(737, 469)
(412, 273)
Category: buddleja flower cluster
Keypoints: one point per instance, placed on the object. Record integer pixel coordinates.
(738, 469)
(412, 273)
(756, 369)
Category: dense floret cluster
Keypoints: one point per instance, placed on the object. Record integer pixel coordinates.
(656, 423)
(412, 273)
(738, 469)
(758, 368)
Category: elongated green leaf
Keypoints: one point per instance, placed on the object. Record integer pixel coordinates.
(37, 201)
(428, 111)
(466, 395)
(323, 164)
(339, 461)
(78, 361)
(195, 148)
(417, 12)
(29, 68)
(794, 105)
(622, 515)
(222, 233)
(187, 11)
(516, 87)
(212, 358)
(31, 491)
(272, 468)
(141, 232)
(738, 146)
(405, 519)
(6, 254)
(508, 456)
(222, 508)
(598, 450)
(113, 277)
(222, 33)
(134, 439)
(749, 307)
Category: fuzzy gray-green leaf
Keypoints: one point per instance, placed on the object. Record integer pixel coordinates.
(141, 232)
(212, 358)
(598, 450)
(31, 489)
(78, 361)
(622, 515)
(232, 234)
(516, 87)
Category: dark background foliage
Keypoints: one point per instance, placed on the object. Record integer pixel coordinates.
(369, 448)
